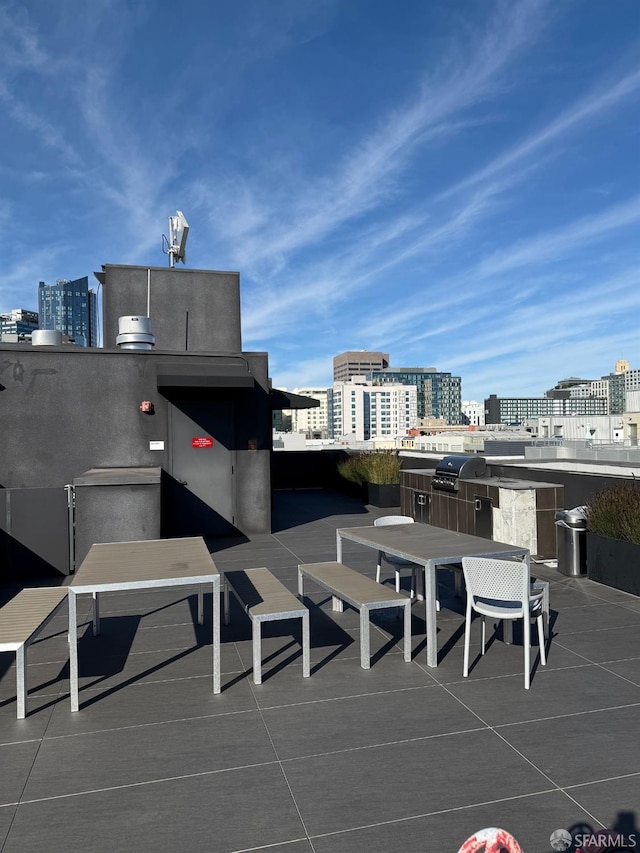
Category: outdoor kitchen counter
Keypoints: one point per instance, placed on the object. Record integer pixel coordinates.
(503, 508)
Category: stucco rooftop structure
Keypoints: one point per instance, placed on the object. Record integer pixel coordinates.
(194, 410)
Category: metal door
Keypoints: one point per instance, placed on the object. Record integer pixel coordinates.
(484, 517)
(36, 532)
(421, 507)
(201, 464)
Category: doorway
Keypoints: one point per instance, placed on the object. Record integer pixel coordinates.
(201, 488)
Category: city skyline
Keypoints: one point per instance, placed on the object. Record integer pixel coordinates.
(454, 184)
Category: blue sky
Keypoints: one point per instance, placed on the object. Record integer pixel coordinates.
(455, 183)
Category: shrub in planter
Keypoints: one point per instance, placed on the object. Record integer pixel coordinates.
(613, 537)
(615, 513)
(379, 471)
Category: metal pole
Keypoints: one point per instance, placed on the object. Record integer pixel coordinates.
(70, 515)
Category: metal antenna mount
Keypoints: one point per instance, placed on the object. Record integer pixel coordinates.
(177, 243)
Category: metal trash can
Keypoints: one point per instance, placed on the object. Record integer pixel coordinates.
(571, 528)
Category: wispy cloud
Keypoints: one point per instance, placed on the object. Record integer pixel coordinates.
(546, 247)
(588, 108)
(21, 46)
(367, 175)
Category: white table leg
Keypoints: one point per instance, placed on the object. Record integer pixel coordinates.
(306, 650)
(73, 649)
(338, 547)
(430, 614)
(216, 636)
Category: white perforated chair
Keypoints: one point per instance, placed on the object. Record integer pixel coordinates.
(399, 564)
(501, 589)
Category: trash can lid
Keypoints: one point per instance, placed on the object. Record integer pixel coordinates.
(576, 516)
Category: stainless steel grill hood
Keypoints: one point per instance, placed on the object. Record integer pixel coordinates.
(452, 469)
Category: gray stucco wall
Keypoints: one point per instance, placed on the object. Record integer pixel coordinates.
(190, 310)
(64, 410)
(124, 513)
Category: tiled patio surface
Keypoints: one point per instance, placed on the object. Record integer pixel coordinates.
(398, 759)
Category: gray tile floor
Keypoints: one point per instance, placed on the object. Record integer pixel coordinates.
(397, 758)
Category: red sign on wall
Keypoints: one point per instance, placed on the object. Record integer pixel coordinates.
(199, 441)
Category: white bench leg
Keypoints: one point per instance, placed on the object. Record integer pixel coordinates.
(407, 632)
(306, 647)
(300, 583)
(337, 604)
(256, 631)
(21, 681)
(365, 648)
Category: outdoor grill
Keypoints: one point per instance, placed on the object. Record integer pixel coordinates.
(452, 469)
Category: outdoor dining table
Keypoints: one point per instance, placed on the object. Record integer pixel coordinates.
(429, 547)
(152, 563)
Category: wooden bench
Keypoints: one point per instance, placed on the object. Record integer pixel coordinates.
(362, 593)
(21, 619)
(265, 599)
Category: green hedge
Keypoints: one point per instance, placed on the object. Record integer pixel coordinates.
(615, 513)
(377, 467)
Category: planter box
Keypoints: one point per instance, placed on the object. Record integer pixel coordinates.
(614, 563)
(383, 494)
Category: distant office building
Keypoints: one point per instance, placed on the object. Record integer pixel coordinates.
(613, 386)
(358, 363)
(516, 410)
(367, 411)
(439, 395)
(472, 413)
(18, 322)
(571, 387)
(313, 422)
(70, 307)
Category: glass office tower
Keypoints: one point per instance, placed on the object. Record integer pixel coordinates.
(70, 307)
(439, 394)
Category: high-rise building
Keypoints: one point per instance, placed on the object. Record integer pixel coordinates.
(70, 307)
(358, 363)
(18, 322)
(439, 394)
(367, 411)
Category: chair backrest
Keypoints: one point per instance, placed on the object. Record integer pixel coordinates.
(387, 520)
(500, 580)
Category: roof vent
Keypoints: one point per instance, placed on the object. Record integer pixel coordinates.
(46, 338)
(135, 333)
